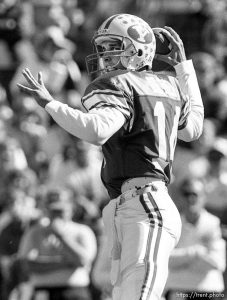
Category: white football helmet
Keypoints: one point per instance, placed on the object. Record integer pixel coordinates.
(136, 44)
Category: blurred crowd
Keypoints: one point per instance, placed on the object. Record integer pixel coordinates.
(51, 195)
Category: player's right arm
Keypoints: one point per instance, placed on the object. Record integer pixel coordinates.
(192, 114)
(191, 121)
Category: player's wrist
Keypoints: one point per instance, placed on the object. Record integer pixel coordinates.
(53, 104)
(48, 102)
(184, 67)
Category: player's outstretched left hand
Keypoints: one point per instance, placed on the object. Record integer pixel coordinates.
(177, 54)
(36, 88)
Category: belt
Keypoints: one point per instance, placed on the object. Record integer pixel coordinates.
(138, 186)
(137, 183)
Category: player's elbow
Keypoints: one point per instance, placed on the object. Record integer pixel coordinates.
(101, 132)
(101, 141)
(105, 124)
(98, 132)
(96, 142)
(189, 135)
(98, 139)
(193, 129)
(196, 134)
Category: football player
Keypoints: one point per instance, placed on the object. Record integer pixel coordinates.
(136, 116)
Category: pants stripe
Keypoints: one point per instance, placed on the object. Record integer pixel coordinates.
(149, 242)
(153, 212)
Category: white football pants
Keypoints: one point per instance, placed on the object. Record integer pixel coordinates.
(142, 226)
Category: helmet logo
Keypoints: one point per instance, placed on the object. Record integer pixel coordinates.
(143, 36)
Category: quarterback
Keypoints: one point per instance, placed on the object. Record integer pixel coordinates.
(136, 115)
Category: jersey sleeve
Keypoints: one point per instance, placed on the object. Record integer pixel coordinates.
(95, 127)
(105, 93)
(108, 108)
(192, 112)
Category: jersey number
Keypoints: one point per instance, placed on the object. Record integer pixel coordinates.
(159, 112)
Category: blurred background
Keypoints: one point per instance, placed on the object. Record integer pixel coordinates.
(36, 155)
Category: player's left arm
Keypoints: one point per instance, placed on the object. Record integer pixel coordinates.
(95, 127)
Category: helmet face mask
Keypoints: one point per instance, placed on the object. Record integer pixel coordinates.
(112, 52)
(122, 42)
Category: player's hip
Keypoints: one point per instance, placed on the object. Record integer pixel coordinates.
(149, 203)
(152, 204)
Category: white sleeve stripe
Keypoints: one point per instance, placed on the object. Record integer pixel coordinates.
(121, 102)
(118, 93)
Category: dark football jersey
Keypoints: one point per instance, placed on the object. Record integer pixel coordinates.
(154, 109)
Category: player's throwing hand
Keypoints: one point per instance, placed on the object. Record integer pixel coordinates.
(177, 54)
(36, 88)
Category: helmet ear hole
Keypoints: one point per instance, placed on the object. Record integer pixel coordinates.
(140, 52)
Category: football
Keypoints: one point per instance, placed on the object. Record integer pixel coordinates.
(163, 45)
